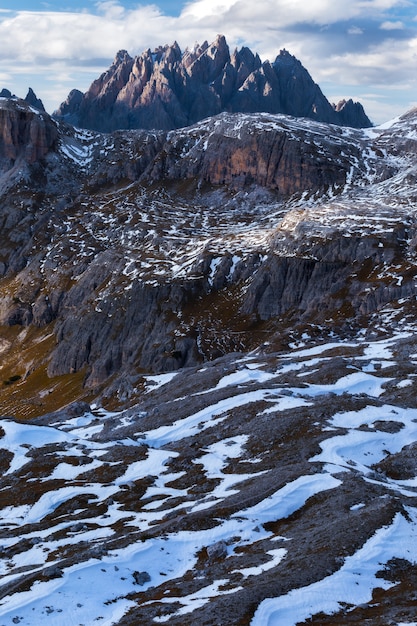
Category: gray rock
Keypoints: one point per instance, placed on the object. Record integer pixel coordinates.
(141, 578)
(217, 551)
(52, 572)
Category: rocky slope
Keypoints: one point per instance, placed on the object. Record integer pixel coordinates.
(173, 248)
(213, 331)
(168, 88)
(262, 489)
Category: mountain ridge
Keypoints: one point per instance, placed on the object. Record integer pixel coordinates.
(168, 89)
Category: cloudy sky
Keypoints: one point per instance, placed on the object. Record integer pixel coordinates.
(364, 49)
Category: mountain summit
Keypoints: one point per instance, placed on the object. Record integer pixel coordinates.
(167, 89)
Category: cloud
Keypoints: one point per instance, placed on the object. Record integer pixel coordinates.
(76, 35)
(355, 30)
(392, 25)
(323, 34)
(288, 12)
(111, 10)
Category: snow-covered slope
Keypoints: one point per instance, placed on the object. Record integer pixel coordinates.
(261, 489)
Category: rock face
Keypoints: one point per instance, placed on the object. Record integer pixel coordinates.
(154, 251)
(24, 134)
(69, 110)
(168, 89)
(227, 151)
(213, 332)
(33, 100)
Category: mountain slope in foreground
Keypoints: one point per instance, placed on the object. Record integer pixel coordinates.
(236, 303)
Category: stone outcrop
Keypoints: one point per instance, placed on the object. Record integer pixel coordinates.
(225, 151)
(167, 89)
(69, 110)
(32, 99)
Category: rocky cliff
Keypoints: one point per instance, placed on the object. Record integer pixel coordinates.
(25, 134)
(167, 89)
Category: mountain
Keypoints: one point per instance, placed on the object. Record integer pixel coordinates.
(168, 89)
(31, 98)
(163, 218)
(208, 342)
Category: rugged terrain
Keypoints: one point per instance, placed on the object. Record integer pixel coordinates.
(208, 342)
(168, 88)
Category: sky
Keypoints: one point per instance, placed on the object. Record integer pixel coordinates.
(361, 49)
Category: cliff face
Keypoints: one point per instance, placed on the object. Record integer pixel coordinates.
(168, 89)
(229, 151)
(151, 251)
(24, 133)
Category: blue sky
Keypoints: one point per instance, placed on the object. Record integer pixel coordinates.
(364, 49)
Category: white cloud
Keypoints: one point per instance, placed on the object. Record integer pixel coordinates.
(392, 26)
(287, 12)
(202, 9)
(71, 44)
(84, 35)
(355, 30)
(111, 9)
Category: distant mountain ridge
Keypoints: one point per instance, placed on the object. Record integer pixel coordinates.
(168, 89)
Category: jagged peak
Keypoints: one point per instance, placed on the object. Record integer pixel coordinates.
(204, 45)
(340, 105)
(121, 57)
(220, 41)
(30, 100)
(33, 100)
(6, 93)
(171, 53)
(286, 59)
(208, 79)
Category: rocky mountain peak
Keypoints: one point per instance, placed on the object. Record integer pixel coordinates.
(70, 108)
(121, 57)
(30, 98)
(33, 100)
(350, 112)
(218, 47)
(286, 58)
(6, 93)
(167, 89)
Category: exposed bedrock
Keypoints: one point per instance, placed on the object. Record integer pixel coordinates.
(161, 327)
(24, 133)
